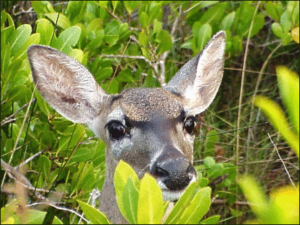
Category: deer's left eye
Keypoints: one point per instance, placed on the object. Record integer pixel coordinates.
(189, 124)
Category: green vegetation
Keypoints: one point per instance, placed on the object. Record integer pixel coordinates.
(46, 160)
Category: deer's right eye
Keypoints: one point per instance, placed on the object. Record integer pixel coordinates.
(116, 130)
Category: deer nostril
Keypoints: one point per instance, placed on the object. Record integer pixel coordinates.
(176, 174)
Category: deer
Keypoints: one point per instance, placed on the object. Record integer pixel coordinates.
(152, 129)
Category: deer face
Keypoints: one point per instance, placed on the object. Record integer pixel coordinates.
(151, 129)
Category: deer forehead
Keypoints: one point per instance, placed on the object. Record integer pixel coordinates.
(143, 104)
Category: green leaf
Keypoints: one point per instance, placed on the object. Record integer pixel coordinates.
(92, 214)
(37, 217)
(181, 204)
(274, 10)
(198, 207)
(214, 14)
(227, 22)
(154, 10)
(46, 30)
(5, 58)
(211, 220)
(144, 20)
(150, 203)
(19, 37)
(77, 131)
(95, 25)
(277, 118)
(96, 42)
(61, 20)
(165, 41)
(215, 170)
(209, 162)
(112, 32)
(123, 173)
(33, 39)
(103, 74)
(288, 83)
(277, 29)
(44, 166)
(130, 201)
(130, 6)
(67, 38)
(125, 76)
(143, 39)
(210, 141)
(42, 7)
(201, 35)
(286, 21)
(77, 54)
(254, 195)
(82, 155)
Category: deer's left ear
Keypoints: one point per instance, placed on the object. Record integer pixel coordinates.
(199, 80)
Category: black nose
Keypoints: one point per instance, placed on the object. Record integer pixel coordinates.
(174, 169)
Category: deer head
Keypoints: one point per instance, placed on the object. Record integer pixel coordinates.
(149, 128)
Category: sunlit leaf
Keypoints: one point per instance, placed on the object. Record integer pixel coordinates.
(150, 203)
(92, 214)
(277, 118)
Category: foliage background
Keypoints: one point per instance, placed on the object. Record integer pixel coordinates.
(122, 44)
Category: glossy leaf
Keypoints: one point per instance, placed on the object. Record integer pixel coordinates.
(254, 195)
(150, 203)
(211, 220)
(82, 155)
(213, 14)
(77, 54)
(198, 207)
(122, 173)
(67, 39)
(32, 39)
(130, 6)
(19, 37)
(45, 166)
(165, 41)
(295, 34)
(181, 204)
(201, 35)
(92, 214)
(112, 32)
(46, 30)
(130, 201)
(61, 20)
(286, 21)
(227, 22)
(277, 29)
(288, 83)
(274, 10)
(277, 118)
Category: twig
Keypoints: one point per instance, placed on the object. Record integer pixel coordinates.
(20, 178)
(59, 208)
(254, 94)
(19, 135)
(241, 95)
(282, 161)
(31, 158)
(9, 118)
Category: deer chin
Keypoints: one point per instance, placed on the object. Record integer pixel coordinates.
(172, 195)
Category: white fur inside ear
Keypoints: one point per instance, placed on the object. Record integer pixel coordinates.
(209, 76)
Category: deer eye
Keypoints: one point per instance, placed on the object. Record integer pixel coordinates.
(116, 130)
(189, 124)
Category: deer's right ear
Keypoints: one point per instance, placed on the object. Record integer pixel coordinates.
(198, 81)
(65, 84)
